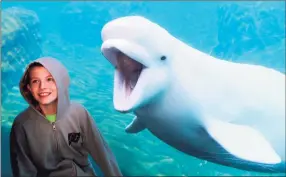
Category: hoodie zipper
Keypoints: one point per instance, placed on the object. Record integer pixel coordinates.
(54, 129)
(55, 135)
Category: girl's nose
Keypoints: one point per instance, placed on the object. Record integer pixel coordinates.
(43, 84)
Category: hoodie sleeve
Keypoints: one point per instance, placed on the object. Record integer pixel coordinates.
(98, 148)
(20, 161)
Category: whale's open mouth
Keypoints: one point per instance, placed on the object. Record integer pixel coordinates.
(129, 77)
(129, 71)
(137, 76)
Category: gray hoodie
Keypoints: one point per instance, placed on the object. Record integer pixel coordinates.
(41, 148)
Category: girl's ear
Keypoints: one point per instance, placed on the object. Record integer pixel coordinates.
(28, 86)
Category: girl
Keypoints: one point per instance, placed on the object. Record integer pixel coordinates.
(53, 136)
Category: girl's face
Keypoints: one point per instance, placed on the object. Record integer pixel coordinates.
(42, 86)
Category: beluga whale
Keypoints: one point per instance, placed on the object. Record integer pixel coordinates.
(228, 113)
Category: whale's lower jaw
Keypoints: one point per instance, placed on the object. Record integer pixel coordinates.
(121, 105)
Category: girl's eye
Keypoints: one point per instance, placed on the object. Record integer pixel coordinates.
(34, 81)
(50, 79)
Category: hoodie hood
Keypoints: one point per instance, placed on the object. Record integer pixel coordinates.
(62, 79)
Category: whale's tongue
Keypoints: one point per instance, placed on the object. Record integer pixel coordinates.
(130, 70)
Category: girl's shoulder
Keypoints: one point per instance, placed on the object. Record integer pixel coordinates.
(80, 113)
(23, 117)
(80, 110)
(78, 107)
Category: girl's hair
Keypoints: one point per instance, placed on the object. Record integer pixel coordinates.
(26, 82)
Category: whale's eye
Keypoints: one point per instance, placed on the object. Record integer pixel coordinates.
(163, 57)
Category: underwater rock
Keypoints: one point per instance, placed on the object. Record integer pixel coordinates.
(81, 22)
(21, 43)
(246, 28)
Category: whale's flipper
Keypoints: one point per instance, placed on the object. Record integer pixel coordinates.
(242, 141)
(135, 126)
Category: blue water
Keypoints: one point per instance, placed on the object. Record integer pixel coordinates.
(246, 32)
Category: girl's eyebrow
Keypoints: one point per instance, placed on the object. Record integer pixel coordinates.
(49, 75)
(34, 77)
